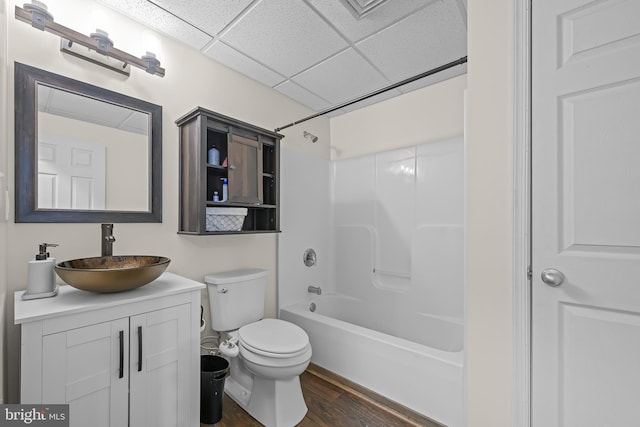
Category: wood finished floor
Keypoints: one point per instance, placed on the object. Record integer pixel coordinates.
(334, 402)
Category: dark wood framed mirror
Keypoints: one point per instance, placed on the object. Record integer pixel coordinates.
(84, 153)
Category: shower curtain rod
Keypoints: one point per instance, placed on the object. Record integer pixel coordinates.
(451, 64)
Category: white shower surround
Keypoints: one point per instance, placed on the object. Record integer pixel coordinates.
(388, 230)
(398, 234)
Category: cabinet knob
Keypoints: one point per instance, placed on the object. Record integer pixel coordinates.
(232, 167)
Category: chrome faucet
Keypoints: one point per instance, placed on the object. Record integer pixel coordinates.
(107, 239)
(314, 290)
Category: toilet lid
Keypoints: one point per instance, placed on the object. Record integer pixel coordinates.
(274, 336)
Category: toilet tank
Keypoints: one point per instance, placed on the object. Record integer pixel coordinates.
(236, 298)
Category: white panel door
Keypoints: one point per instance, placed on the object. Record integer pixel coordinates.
(71, 174)
(586, 213)
(88, 369)
(159, 363)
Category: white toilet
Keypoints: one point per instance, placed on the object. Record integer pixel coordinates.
(266, 356)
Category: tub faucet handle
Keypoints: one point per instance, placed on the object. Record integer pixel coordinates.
(314, 290)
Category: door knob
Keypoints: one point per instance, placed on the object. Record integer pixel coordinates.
(552, 277)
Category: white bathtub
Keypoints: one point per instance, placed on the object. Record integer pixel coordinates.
(422, 371)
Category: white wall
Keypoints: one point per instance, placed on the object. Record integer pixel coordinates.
(489, 215)
(191, 80)
(4, 137)
(306, 223)
(429, 114)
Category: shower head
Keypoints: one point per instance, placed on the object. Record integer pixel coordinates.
(310, 136)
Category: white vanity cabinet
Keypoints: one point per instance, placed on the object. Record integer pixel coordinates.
(125, 359)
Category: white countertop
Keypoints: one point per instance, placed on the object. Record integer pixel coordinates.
(71, 300)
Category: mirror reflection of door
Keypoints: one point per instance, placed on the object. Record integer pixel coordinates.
(71, 174)
(92, 155)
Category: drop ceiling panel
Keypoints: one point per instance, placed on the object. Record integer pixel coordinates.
(360, 8)
(85, 109)
(462, 5)
(68, 104)
(303, 96)
(233, 59)
(287, 36)
(381, 17)
(137, 122)
(331, 80)
(160, 20)
(207, 15)
(430, 38)
(316, 51)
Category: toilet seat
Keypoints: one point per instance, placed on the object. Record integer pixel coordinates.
(270, 354)
(274, 338)
(276, 362)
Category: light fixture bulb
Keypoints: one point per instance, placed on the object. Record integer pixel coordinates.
(103, 42)
(39, 14)
(152, 62)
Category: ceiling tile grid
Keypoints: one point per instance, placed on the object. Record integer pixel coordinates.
(427, 39)
(383, 16)
(285, 35)
(160, 20)
(237, 61)
(303, 96)
(342, 77)
(67, 104)
(209, 16)
(316, 51)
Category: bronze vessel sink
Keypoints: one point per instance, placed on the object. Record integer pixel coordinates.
(112, 273)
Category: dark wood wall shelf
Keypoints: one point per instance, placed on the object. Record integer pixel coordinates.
(249, 158)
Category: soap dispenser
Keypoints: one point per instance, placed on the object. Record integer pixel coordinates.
(41, 277)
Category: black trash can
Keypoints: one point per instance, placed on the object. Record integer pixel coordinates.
(213, 371)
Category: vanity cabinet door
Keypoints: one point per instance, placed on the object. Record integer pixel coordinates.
(88, 368)
(122, 359)
(159, 366)
(244, 169)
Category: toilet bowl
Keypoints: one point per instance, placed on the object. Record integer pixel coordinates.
(266, 362)
(276, 352)
(266, 356)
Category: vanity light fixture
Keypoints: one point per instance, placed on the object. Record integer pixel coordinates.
(310, 136)
(37, 14)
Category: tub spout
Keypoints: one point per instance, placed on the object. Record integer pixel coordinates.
(314, 290)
